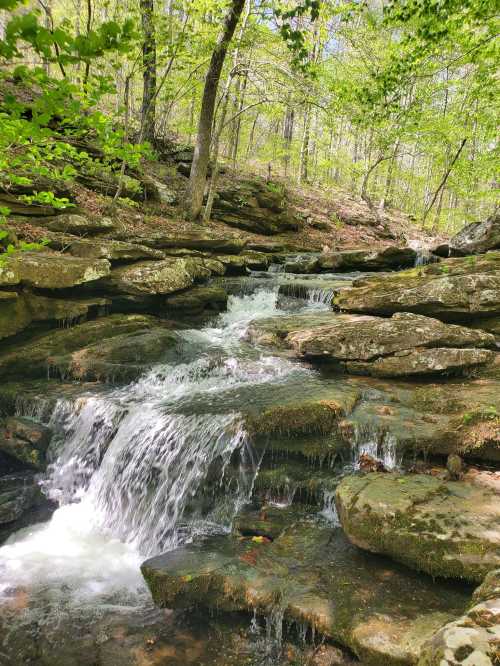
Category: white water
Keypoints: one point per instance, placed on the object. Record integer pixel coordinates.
(133, 468)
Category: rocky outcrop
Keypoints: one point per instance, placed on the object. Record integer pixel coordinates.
(477, 238)
(404, 345)
(19, 310)
(25, 441)
(390, 258)
(50, 270)
(202, 241)
(444, 528)
(79, 225)
(255, 206)
(156, 277)
(104, 248)
(457, 289)
(312, 576)
(95, 348)
(473, 638)
(197, 300)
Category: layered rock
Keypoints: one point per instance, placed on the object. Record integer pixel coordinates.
(404, 345)
(19, 310)
(91, 349)
(255, 207)
(51, 271)
(79, 225)
(113, 250)
(389, 258)
(456, 289)
(313, 577)
(18, 494)
(156, 277)
(444, 528)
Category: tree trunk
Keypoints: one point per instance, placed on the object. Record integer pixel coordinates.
(304, 150)
(196, 186)
(148, 110)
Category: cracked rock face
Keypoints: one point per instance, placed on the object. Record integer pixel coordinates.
(449, 529)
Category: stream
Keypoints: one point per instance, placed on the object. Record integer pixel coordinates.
(137, 470)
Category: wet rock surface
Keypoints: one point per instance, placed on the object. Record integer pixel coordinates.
(309, 572)
(444, 528)
(117, 339)
(26, 441)
(18, 494)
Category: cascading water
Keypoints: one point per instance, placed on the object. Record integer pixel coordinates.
(137, 469)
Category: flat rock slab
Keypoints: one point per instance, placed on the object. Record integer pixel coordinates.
(449, 529)
(390, 258)
(46, 270)
(456, 290)
(103, 248)
(404, 345)
(381, 611)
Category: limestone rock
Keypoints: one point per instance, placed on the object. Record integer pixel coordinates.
(18, 311)
(34, 358)
(449, 529)
(456, 290)
(383, 613)
(390, 258)
(196, 300)
(473, 638)
(79, 225)
(202, 241)
(46, 270)
(477, 238)
(104, 248)
(156, 277)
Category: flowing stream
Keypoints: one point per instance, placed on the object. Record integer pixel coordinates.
(137, 470)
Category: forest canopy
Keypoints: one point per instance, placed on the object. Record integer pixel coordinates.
(397, 101)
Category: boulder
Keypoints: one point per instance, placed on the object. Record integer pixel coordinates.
(26, 441)
(390, 258)
(118, 358)
(455, 289)
(198, 299)
(256, 207)
(34, 358)
(113, 250)
(79, 225)
(477, 238)
(18, 494)
(156, 277)
(47, 270)
(404, 345)
(18, 311)
(305, 264)
(445, 528)
(473, 638)
(310, 575)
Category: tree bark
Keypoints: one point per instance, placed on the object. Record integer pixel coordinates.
(148, 111)
(196, 186)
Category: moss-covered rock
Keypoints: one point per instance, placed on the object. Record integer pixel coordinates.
(47, 270)
(79, 225)
(456, 289)
(103, 248)
(18, 494)
(198, 299)
(156, 277)
(383, 612)
(26, 441)
(18, 311)
(449, 529)
(36, 357)
(390, 258)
